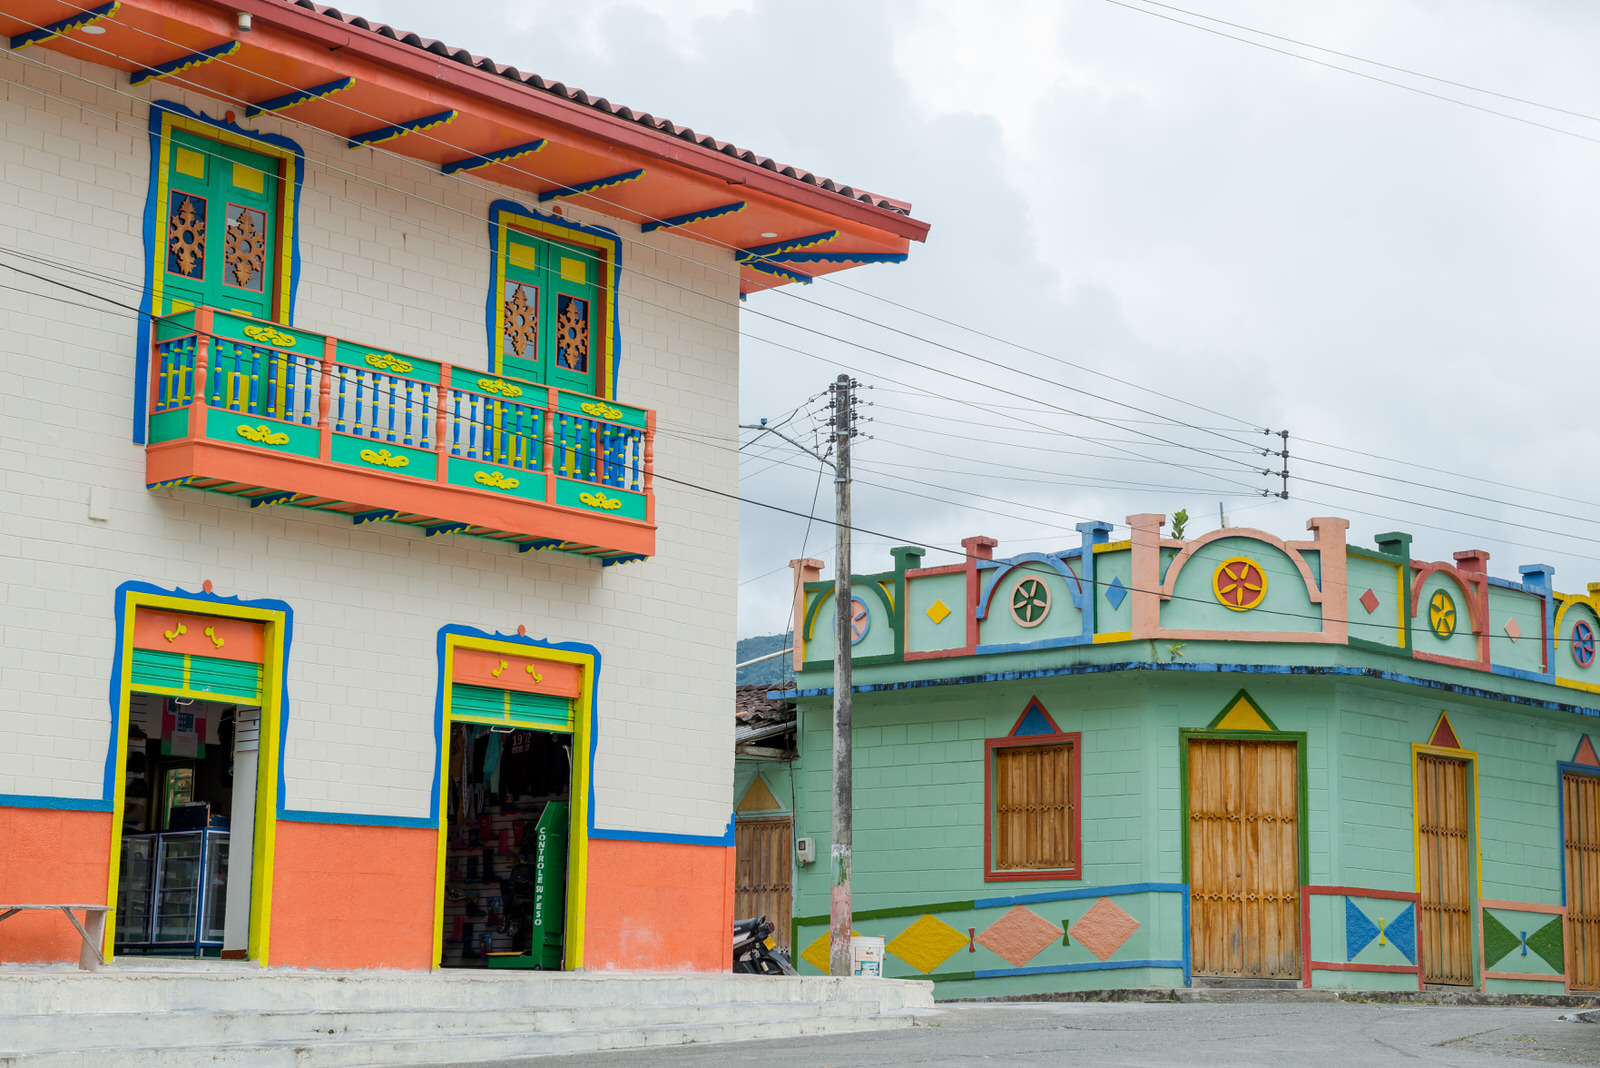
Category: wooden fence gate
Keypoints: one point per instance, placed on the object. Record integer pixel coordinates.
(763, 881)
(1580, 797)
(1444, 935)
(1244, 858)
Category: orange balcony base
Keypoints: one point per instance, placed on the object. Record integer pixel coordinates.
(266, 478)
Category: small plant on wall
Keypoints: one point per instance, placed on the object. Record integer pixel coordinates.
(1180, 520)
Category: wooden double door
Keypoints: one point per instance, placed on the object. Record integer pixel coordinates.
(1444, 864)
(763, 881)
(1580, 801)
(1244, 858)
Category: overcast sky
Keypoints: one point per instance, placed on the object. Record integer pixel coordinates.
(1286, 245)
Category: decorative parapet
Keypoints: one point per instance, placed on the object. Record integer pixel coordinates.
(1237, 584)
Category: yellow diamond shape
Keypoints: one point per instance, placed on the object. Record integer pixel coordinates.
(816, 954)
(927, 944)
(937, 611)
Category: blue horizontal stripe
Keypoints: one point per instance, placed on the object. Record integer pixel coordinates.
(1078, 892)
(657, 836)
(294, 815)
(1224, 669)
(1090, 966)
(74, 804)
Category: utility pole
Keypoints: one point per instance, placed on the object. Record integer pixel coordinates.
(839, 906)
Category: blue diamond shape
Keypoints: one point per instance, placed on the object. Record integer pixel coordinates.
(1116, 593)
(1359, 930)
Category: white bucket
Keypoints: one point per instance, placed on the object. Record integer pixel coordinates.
(866, 956)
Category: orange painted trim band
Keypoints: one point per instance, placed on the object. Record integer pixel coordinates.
(186, 458)
(1518, 906)
(214, 636)
(525, 674)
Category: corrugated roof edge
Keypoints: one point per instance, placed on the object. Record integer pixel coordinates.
(625, 114)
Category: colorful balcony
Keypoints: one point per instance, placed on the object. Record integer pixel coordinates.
(283, 416)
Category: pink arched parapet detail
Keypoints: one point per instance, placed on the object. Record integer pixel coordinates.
(1470, 573)
(1149, 591)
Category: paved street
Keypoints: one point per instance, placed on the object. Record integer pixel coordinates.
(1337, 1035)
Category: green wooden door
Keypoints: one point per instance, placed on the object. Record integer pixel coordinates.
(573, 300)
(549, 302)
(220, 227)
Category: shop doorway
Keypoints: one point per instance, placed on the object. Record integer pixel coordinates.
(508, 808)
(183, 885)
(1244, 852)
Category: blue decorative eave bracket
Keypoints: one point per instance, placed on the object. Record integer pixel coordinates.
(504, 155)
(400, 129)
(299, 96)
(592, 186)
(66, 25)
(183, 63)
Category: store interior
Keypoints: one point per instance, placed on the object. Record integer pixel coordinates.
(180, 797)
(506, 847)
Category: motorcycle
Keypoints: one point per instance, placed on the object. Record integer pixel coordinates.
(753, 952)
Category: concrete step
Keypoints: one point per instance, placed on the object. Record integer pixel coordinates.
(453, 1049)
(118, 1030)
(254, 990)
(156, 1015)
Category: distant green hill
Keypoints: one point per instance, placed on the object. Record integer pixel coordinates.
(768, 672)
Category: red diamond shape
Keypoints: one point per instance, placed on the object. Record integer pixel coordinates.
(1369, 601)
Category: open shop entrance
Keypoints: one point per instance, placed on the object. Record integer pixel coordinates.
(184, 859)
(506, 847)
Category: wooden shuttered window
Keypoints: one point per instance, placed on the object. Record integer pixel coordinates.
(1033, 801)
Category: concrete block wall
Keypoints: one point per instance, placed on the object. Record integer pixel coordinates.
(919, 803)
(396, 255)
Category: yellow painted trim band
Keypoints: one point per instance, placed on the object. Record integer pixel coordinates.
(1114, 636)
(1400, 600)
(1113, 546)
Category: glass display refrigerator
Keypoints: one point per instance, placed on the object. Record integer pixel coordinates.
(173, 893)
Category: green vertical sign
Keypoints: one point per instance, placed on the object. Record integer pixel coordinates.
(550, 885)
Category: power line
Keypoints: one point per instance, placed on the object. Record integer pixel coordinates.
(520, 166)
(1358, 73)
(1374, 62)
(811, 518)
(416, 163)
(136, 312)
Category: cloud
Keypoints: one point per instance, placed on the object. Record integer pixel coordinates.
(1261, 241)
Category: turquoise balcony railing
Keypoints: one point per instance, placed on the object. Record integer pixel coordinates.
(284, 416)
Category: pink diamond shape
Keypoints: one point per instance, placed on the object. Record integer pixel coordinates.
(1019, 936)
(1369, 601)
(1104, 928)
(1513, 630)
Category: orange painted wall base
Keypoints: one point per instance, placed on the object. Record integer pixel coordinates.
(49, 857)
(659, 906)
(353, 897)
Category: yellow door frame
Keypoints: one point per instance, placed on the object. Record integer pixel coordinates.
(581, 716)
(275, 622)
